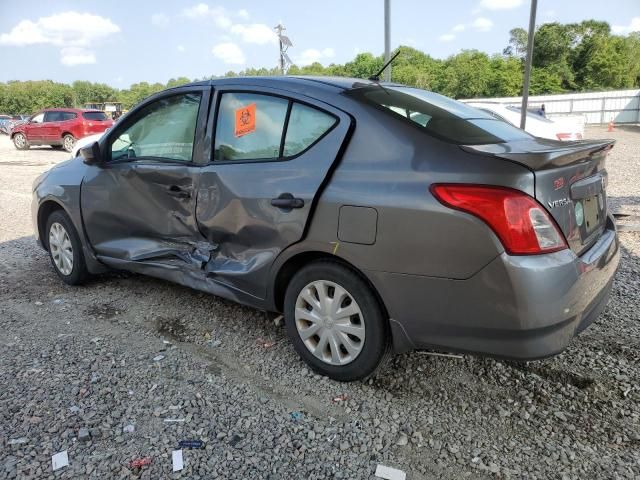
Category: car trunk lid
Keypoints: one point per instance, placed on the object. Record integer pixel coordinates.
(570, 182)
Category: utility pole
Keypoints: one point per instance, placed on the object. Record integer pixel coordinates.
(285, 43)
(387, 39)
(527, 64)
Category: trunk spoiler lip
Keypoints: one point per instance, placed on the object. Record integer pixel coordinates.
(541, 154)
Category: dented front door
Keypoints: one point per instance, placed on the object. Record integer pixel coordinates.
(252, 209)
(139, 204)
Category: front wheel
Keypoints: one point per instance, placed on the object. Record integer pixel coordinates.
(68, 141)
(335, 321)
(20, 141)
(65, 249)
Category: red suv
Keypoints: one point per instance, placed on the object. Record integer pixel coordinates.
(59, 127)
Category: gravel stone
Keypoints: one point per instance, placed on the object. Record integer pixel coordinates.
(88, 363)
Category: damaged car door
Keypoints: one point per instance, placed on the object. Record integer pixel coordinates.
(138, 203)
(272, 152)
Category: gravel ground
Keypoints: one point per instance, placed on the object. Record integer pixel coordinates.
(102, 370)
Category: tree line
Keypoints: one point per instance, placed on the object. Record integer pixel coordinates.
(573, 57)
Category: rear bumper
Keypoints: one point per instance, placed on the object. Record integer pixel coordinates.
(518, 307)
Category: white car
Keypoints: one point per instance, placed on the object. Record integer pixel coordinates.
(85, 142)
(569, 127)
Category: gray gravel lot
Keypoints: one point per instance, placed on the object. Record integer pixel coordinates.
(101, 370)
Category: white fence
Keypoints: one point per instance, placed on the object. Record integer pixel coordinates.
(620, 106)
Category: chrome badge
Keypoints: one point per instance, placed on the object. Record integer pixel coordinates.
(561, 202)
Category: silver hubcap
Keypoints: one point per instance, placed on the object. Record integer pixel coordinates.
(20, 140)
(61, 249)
(330, 322)
(68, 142)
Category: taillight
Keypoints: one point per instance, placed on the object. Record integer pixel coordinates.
(523, 226)
(567, 136)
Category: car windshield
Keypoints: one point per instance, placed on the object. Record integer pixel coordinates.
(441, 116)
(94, 115)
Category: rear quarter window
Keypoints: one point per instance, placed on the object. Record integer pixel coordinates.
(100, 116)
(440, 116)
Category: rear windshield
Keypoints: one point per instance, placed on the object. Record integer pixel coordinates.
(94, 115)
(441, 116)
(530, 114)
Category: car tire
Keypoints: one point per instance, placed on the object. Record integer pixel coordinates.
(68, 142)
(65, 249)
(20, 141)
(330, 350)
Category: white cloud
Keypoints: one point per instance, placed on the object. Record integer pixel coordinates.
(73, 31)
(180, 48)
(160, 20)
(500, 4)
(447, 37)
(203, 11)
(242, 13)
(458, 28)
(61, 29)
(258, 33)
(229, 53)
(634, 26)
(312, 55)
(71, 56)
(482, 24)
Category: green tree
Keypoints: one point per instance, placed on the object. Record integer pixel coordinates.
(517, 47)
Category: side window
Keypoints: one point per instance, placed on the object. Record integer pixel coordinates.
(306, 125)
(67, 116)
(39, 118)
(249, 126)
(163, 129)
(52, 117)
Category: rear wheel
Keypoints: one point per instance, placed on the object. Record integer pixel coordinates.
(335, 322)
(20, 141)
(68, 141)
(65, 249)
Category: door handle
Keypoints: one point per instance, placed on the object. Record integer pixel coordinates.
(176, 191)
(286, 201)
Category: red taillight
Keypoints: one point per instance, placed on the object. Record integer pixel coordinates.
(568, 136)
(520, 222)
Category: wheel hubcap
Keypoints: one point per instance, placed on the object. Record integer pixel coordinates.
(20, 140)
(61, 249)
(330, 322)
(68, 143)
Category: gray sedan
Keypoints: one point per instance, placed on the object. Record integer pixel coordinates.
(374, 216)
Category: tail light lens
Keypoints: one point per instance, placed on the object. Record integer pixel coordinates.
(568, 136)
(523, 226)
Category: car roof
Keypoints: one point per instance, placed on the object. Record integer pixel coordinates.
(293, 82)
(73, 110)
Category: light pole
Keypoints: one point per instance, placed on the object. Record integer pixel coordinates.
(387, 39)
(527, 64)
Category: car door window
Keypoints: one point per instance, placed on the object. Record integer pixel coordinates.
(39, 118)
(306, 125)
(249, 126)
(164, 129)
(67, 116)
(52, 117)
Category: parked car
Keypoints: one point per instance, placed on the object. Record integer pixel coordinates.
(374, 216)
(565, 128)
(4, 120)
(59, 127)
(9, 125)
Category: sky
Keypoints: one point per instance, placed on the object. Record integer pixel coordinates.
(123, 42)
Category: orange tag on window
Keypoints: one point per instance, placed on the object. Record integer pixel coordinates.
(245, 120)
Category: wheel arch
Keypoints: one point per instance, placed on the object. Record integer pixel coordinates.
(292, 265)
(45, 210)
(67, 132)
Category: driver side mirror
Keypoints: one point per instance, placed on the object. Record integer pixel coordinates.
(91, 154)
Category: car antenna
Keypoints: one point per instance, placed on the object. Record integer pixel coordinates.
(376, 77)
